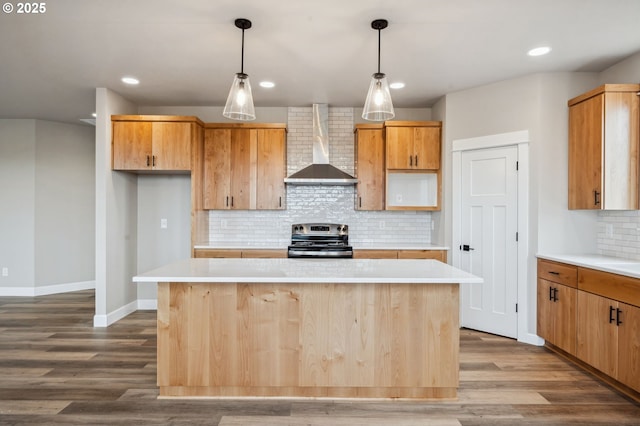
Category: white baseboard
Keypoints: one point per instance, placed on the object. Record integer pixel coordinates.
(118, 314)
(531, 339)
(47, 289)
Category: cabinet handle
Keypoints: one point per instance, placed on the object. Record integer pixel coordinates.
(360, 202)
(611, 311)
(416, 161)
(551, 293)
(147, 161)
(153, 162)
(618, 314)
(554, 273)
(555, 294)
(411, 161)
(227, 201)
(231, 201)
(596, 199)
(279, 201)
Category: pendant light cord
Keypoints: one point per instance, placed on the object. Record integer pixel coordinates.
(379, 30)
(242, 55)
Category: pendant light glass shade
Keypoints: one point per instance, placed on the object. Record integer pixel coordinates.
(378, 106)
(239, 104)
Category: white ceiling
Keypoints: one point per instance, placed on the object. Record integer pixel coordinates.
(186, 52)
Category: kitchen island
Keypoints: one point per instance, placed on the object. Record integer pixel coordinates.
(354, 328)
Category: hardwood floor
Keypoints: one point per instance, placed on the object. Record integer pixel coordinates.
(56, 369)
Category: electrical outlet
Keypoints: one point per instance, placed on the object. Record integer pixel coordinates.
(5, 272)
(163, 223)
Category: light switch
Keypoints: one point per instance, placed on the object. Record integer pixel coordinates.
(5, 272)
(163, 223)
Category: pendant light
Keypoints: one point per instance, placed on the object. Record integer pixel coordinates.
(378, 106)
(239, 104)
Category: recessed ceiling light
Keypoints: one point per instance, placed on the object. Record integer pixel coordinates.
(130, 80)
(396, 85)
(267, 84)
(539, 51)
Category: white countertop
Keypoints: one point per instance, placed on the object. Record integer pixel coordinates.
(615, 265)
(357, 246)
(422, 271)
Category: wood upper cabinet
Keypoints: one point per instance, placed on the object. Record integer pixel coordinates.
(244, 168)
(271, 169)
(161, 143)
(413, 145)
(369, 166)
(604, 140)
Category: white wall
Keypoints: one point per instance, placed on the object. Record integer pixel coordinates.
(162, 197)
(17, 211)
(116, 219)
(537, 103)
(47, 191)
(64, 203)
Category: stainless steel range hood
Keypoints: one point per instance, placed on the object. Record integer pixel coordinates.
(320, 172)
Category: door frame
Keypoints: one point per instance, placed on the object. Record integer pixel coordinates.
(521, 140)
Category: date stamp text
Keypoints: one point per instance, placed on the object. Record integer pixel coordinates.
(25, 8)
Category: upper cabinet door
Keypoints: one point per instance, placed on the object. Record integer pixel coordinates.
(271, 169)
(399, 147)
(585, 154)
(241, 168)
(171, 146)
(412, 147)
(604, 148)
(131, 146)
(217, 169)
(426, 145)
(369, 167)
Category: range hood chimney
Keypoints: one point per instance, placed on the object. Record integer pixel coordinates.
(320, 172)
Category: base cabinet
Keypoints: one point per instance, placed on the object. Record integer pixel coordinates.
(597, 322)
(597, 335)
(629, 346)
(557, 315)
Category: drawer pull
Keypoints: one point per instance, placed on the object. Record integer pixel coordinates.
(611, 311)
(554, 273)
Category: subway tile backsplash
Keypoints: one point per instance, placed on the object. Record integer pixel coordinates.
(319, 203)
(619, 234)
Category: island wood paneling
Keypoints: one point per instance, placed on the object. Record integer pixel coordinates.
(336, 340)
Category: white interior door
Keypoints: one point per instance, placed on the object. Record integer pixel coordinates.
(488, 240)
